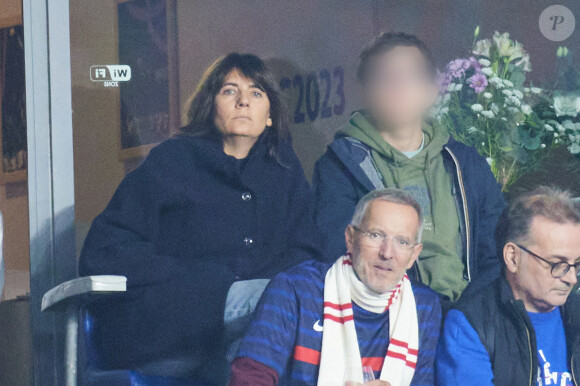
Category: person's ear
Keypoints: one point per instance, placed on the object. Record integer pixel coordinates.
(415, 255)
(511, 257)
(349, 238)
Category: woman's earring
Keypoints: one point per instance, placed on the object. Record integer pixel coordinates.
(269, 122)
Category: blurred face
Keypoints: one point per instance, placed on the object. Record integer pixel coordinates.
(242, 108)
(398, 90)
(530, 278)
(382, 265)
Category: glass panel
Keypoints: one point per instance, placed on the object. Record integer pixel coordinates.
(136, 63)
(13, 155)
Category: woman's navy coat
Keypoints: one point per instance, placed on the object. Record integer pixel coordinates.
(182, 228)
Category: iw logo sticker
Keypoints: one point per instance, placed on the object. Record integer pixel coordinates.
(111, 74)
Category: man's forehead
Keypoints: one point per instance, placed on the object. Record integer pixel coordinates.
(556, 239)
(380, 212)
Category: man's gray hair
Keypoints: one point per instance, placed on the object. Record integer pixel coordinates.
(396, 196)
(555, 204)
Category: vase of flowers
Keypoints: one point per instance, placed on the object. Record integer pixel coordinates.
(486, 103)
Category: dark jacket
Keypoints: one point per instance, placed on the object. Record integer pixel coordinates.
(346, 172)
(508, 336)
(183, 227)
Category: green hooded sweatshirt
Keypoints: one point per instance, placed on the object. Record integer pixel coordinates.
(424, 177)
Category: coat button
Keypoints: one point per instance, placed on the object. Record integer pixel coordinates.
(248, 241)
(247, 196)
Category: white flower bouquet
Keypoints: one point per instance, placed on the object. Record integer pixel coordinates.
(485, 102)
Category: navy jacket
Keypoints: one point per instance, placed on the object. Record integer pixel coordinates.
(183, 227)
(346, 172)
(507, 336)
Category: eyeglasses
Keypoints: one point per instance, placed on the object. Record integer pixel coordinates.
(377, 239)
(557, 270)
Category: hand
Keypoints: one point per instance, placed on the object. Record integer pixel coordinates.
(371, 383)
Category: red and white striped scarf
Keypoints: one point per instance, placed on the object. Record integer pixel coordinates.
(340, 353)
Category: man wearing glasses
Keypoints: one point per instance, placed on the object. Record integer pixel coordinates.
(358, 320)
(524, 329)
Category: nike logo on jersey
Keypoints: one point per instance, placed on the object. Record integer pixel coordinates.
(317, 326)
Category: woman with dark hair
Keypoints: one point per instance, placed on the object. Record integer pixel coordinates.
(201, 226)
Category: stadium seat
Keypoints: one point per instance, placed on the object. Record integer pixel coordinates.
(84, 364)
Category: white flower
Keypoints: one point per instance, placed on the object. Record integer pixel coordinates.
(503, 43)
(543, 145)
(518, 94)
(482, 47)
(444, 110)
(494, 107)
(556, 135)
(527, 89)
(574, 148)
(524, 62)
(446, 98)
(476, 107)
(567, 104)
(559, 126)
(513, 109)
(568, 124)
(484, 62)
(548, 127)
(496, 81)
(487, 71)
(507, 93)
(488, 114)
(487, 95)
(508, 83)
(454, 87)
(514, 100)
(472, 129)
(536, 90)
(489, 160)
(526, 109)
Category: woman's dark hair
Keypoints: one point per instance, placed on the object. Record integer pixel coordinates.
(386, 42)
(201, 105)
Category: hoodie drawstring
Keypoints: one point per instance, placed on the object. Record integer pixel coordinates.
(397, 174)
(427, 177)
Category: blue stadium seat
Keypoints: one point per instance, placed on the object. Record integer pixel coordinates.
(84, 364)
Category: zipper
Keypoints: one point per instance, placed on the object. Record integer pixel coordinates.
(465, 212)
(530, 348)
(572, 369)
(529, 342)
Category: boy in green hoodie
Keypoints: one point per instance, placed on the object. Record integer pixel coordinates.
(391, 144)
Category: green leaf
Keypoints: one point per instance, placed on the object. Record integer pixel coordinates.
(535, 121)
(529, 142)
(519, 154)
(518, 78)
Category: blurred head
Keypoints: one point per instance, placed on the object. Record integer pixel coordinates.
(397, 74)
(238, 96)
(538, 230)
(384, 238)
